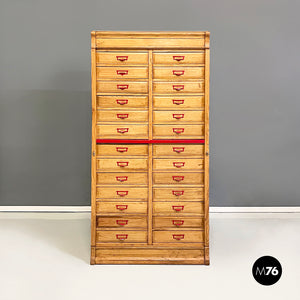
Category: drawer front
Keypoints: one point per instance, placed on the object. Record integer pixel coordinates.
(117, 222)
(183, 102)
(121, 58)
(122, 87)
(122, 131)
(178, 178)
(178, 164)
(122, 116)
(178, 73)
(175, 222)
(121, 236)
(178, 117)
(178, 236)
(178, 87)
(178, 131)
(178, 193)
(125, 102)
(178, 58)
(121, 150)
(122, 73)
(122, 165)
(178, 150)
(178, 208)
(121, 193)
(121, 207)
(122, 178)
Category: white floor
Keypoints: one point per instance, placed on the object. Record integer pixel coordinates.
(46, 256)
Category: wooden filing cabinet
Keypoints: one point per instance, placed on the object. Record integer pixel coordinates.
(150, 148)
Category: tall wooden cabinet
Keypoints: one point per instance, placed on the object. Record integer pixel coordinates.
(150, 149)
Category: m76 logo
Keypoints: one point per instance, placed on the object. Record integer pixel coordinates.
(267, 271)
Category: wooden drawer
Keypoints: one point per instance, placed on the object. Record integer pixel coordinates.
(182, 102)
(122, 116)
(178, 131)
(125, 102)
(178, 150)
(122, 131)
(178, 178)
(122, 73)
(178, 193)
(181, 164)
(121, 236)
(178, 73)
(122, 150)
(178, 236)
(122, 178)
(121, 58)
(122, 164)
(178, 58)
(123, 207)
(127, 222)
(175, 222)
(178, 117)
(121, 193)
(178, 87)
(178, 208)
(122, 87)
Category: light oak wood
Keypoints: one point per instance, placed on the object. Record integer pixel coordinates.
(122, 178)
(124, 58)
(178, 236)
(178, 178)
(178, 150)
(181, 103)
(176, 73)
(121, 72)
(182, 164)
(121, 236)
(121, 193)
(121, 208)
(178, 208)
(178, 88)
(122, 165)
(122, 222)
(123, 117)
(178, 131)
(178, 117)
(134, 131)
(122, 150)
(177, 222)
(122, 87)
(178, 58)
(178, 193)
(122, 102)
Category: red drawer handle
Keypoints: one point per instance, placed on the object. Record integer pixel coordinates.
(178, 149)
(122, 101)
(122, 193)
(178, 72)
(122, 130)
(177, 222)
(122, 164)
(122, 237)
(178, 130)
(122, 116)
(178, 116)
(178, 178)
(121, 178)
(122, 207)
(177, 193)
(122, 86)
(178, 102)
(122, 222)
(122, 58)
(178, 207)
(178, 237)
(178, 87)
(178, 164)
(122, 72)
(122, 149)
(178, 57)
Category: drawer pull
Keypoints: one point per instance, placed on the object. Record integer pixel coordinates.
(178, 178)
(178, 72)
(122, 164)
(121, 178)
(177, 222)
(122, 72)
(178, 164)
(122, 222)
(122, 116)
(121, 237)
(122, 101)
(122, 207)
(178, 57)
(178, 149)
(122, 86)
(122, 130)
(122, 149)
(178, 237)
(122, 58)
(122, 193)
(178, 207)
(178, 102)
(178, 116)
(177, 193)
(178, 130)
(178, 87)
